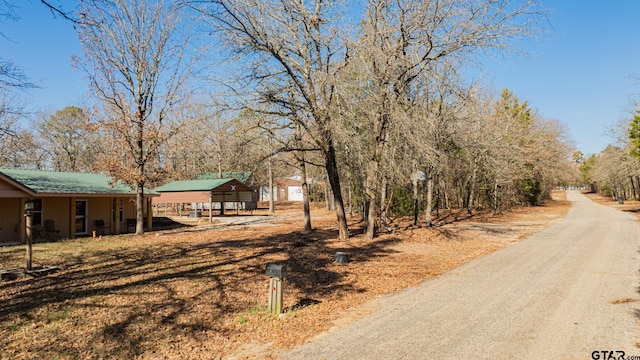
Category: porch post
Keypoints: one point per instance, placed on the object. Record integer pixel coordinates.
(22, 227)
(210, 207)
(116, 222)
(149, 214)
(72, 218)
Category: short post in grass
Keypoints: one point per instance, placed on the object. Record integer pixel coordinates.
(276, 273)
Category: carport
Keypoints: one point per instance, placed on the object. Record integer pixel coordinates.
(222, 191)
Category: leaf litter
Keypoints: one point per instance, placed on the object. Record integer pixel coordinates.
(203, 294)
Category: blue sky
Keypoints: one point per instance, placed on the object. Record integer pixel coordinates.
(42, 46)
(579, 74)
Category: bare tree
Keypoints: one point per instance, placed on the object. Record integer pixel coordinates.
(137, 63)
(291, 42)
(10, 111)
(400, 42)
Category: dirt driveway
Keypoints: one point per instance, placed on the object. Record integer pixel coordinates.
(564, 293)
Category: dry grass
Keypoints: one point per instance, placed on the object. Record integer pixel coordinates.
(631, 206)
(203, 294)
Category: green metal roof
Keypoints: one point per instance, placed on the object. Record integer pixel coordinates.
(242, 176)
(192, 185)
(54, 182)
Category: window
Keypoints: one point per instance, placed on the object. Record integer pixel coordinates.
(81, 217)
(36, 220)
(118, 206)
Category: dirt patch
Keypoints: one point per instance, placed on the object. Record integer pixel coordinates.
(203, 294)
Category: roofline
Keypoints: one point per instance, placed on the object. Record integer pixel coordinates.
(33, 193)
(95, 195)
(226, 181)
(17, 184)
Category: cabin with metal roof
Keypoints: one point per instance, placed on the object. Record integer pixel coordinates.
(205, 193)
(77, 204)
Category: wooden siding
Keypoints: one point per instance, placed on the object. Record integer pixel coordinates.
(57, 209)
(9, 220)
(182, 197)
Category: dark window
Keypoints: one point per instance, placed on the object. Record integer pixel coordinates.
(37, 213)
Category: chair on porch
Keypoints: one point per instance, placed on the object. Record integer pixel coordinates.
(50, 230)
(131, 224)
(102, 227)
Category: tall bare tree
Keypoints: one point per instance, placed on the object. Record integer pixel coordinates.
(401, 39)
(291, 43)
(137, 61)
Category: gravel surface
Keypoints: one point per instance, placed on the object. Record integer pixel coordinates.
(562, 293)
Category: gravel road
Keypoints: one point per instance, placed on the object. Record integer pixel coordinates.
(562, 293)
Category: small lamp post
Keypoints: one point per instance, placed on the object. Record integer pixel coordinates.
(28, 214)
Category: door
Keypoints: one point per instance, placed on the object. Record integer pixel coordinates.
(81, 217)
(294, 193)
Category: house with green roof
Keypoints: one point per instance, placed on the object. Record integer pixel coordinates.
(204, 193)
(76, 203)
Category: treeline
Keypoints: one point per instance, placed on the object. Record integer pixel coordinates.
(615, 171)
(373, 107)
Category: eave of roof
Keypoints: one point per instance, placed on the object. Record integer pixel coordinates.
(192, 185)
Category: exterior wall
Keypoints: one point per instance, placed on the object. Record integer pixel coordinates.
(182, 197)
(128, 209)
(62, 212)
(10, 220)
(57, 209)
(99, 209)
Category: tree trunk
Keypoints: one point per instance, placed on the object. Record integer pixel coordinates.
(305, 198)
(140, 181)
(370, 193)
(327, 202)
(305, 186)
(446, 202)
(373, 167)
(140, 208)
(416, 205)
(349, 198)
(334, 181)
(472, 185)
(365, 212)
(495, 199)
(383, 200)
(428, 207)
(438, 198)
(271, 194)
